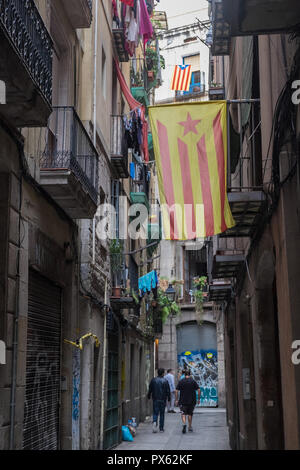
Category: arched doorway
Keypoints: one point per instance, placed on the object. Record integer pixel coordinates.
(197, 350)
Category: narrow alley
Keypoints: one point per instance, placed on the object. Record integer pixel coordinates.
(210, 432)
(149, 226)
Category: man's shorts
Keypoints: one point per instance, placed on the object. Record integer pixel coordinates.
(187, 409)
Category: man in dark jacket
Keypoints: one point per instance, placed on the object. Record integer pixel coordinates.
(187, 400)
(160, 391)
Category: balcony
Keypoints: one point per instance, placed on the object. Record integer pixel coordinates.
(80, 12)
(257, 17)
(139, 80)
(246, 196)
(139, 198)
(216, 92)
(69, 164)
(139, 188)
(119, 43)
(220, 292)
(195, 92)
(118, 152)
(154, 235)
(25, 64)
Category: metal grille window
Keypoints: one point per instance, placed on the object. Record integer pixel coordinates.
(41, 414)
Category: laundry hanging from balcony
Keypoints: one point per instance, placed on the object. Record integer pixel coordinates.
(148, 282)
(134, 106)
(134, 20)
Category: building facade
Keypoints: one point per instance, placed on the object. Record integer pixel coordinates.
(76, 358)
(253, 266)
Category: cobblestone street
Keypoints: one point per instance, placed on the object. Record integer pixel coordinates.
(210, 433)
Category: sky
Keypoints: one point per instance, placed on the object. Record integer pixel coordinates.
(182, 12)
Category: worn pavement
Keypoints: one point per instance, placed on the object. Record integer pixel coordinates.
(210, 433)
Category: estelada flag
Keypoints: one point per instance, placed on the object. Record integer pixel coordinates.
(190, 145)
(181, 79)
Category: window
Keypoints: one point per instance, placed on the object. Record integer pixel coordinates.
(198, 77)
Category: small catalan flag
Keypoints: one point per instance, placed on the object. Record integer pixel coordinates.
(181, 78)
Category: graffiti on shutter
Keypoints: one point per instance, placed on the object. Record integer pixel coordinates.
(42, 394)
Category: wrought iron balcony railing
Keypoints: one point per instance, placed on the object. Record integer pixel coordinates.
(68, 146)
(118, 151)
(25, 29)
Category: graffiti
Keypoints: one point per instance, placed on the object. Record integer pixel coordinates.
(41, 404)
(203, 365)
(75, 399)
(147, 369)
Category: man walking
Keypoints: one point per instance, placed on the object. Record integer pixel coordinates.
(160, 391)
(171, 382)
(187, 400)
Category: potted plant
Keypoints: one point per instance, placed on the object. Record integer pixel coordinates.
(200, 283)
(116, 291)
(166, 306)
(116, 261)
(152, 58)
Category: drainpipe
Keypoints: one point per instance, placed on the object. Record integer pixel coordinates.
(103, 374)
(95, 112)
(15, 338)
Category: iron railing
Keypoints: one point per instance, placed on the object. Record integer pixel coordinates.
(68, 146)
(197, 88)
(244, 168)
(117, 134)
(138, 73)
(23, 26)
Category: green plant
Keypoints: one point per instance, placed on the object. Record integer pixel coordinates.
(136, 78)
(166, 306)
(200, 284)
(116, 255)
(135, 297)
(152, 58)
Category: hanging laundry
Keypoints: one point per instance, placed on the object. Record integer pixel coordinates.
(128, 2)
(134, 104)
(115, 13)
(148, 282)
(132, 170)
(146, 28)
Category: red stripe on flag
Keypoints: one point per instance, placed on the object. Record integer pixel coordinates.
(187, 190)
(174, 78)
(178, 78)
(187, 78)
(206, 188)
(219, 143)
(182, 75)
(167, 174)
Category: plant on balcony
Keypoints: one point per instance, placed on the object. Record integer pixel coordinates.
(136, 79)
(166, 307)
(152, 58)
(116, 255)
(200, 284)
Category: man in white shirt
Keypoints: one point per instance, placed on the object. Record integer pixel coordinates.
(170, 378)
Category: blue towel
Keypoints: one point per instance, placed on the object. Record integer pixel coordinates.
(132, 170)
(148, 282)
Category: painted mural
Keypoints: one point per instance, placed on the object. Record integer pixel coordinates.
(203, 365)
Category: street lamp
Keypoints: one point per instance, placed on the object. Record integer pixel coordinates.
(170, 293)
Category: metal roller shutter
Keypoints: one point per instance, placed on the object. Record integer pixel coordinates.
(42, 394)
